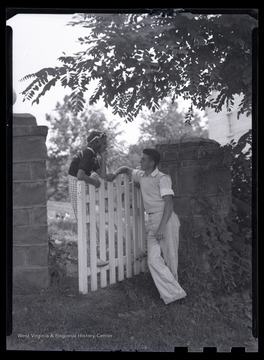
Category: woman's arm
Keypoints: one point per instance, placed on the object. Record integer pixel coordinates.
(83, 177)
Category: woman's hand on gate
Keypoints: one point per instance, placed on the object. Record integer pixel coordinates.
(97, 183)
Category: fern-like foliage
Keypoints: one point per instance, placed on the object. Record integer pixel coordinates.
(43, 80)
(139, 59)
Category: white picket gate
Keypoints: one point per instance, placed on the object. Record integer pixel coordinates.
(119, 218)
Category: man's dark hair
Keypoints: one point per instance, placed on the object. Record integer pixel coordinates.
(153, 154)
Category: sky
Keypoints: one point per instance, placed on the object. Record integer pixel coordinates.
(38, 41)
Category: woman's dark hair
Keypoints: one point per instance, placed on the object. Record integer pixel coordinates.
(95, 135)
(153, 154)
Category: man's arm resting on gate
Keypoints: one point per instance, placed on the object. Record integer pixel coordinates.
(123, 170)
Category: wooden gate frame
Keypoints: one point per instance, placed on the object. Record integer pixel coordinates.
(124, 211)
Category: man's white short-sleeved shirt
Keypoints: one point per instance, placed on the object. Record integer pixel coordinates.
(153, 188)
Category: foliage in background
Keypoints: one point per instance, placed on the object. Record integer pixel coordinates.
(138, 59)
(168, 123)
(57, 181)
(62, 239)
(69, 132)
(57, 262)
(241, 167)
(165, 124)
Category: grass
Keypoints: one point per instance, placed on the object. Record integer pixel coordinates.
(126, 316)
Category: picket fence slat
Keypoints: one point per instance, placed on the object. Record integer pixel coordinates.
(111, 233)
(127, 217)
(142, 236)
(135, 230)
(120, 245)
(102, 221)
(93, 238)
(82, 242)
(116, 213)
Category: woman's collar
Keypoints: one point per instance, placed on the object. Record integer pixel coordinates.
(88, 147)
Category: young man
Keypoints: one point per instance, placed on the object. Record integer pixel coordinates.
(83, 165)
(163, 224)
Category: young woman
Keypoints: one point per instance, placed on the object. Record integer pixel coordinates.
(85, 163)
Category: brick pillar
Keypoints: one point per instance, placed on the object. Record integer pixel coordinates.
(30, 234)
(195, 167)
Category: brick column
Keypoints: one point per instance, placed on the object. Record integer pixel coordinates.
(194, 168)
(30, 234)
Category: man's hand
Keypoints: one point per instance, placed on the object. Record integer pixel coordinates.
(110, 177)
(160, 234)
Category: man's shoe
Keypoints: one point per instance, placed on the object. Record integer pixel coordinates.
(102, 262)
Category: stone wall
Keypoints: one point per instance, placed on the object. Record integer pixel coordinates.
(30, 234)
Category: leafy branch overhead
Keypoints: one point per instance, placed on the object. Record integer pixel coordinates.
(136, 60)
